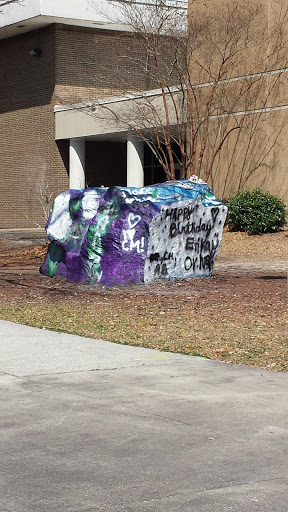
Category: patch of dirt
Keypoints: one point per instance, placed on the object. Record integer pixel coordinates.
(250, 272)
(14, 252)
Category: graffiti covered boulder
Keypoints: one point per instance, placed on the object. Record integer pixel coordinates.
(122, 235)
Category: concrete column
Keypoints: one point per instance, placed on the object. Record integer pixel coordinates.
(135, 161)
(77, 163)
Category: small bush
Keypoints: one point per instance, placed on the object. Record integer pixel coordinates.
(255, 212)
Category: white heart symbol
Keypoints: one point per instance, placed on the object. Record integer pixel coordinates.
(133, 220)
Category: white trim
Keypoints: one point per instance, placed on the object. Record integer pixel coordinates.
(263, 110)
(115, 99)
(172, 4)
(241, 77)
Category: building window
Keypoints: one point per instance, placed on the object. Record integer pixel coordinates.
(153, 171)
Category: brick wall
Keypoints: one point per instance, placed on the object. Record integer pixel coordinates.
(77, 64)
(93, 63)
(31, 167)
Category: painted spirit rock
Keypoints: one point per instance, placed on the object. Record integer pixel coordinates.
(122, 235)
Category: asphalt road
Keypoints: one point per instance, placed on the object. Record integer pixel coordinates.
(90, 426)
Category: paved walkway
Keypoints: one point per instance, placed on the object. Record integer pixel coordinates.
(19, 238)
(90, 426)
(22, 234)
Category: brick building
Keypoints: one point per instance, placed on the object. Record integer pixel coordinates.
(239, 71)
(239, 65)
(55, 58)
(53, 54)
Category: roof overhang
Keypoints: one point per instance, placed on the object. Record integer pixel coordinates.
(27, 15)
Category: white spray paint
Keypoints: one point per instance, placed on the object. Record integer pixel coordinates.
(184, 240)
(128, 242)
(60, 223)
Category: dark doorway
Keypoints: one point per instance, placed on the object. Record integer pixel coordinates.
(105, 164)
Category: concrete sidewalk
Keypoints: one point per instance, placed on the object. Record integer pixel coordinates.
(19, 238)
(90, 426)
(22, 234)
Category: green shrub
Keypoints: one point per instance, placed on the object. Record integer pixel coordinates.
(255, 212)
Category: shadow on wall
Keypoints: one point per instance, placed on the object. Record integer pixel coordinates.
(27, 80)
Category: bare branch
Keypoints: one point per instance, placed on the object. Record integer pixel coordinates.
(8, 2)
(216, 72)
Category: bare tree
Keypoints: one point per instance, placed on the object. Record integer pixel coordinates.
(156, 54)
(214, 76)
(240, 63)
(8, 2)
(41, 196)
